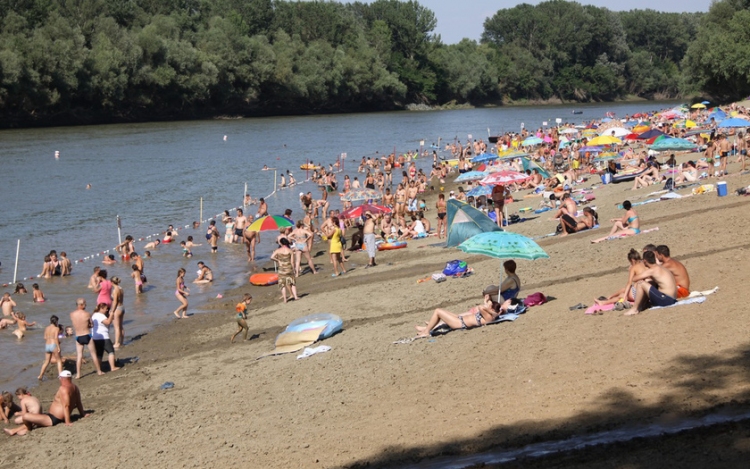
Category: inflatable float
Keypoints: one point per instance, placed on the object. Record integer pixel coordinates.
(309, 167)
(627, 176)
(331, 322)
(264, 280)
(392, 246)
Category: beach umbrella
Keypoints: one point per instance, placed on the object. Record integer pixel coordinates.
(698, 106)
(618, 132)
(705, 102)
(270, 223)
(480, 191)
(503, 245)
(366, 194)
(650, 134)
(509, 155)
(606, 119)
(569, 131)
(359, 211)
(588, 132)
(734, 122)
(504, 177)
(481, 158)
(686, 124)
(482, 167)
(672, 144)
(591, 150)
(471, 176)
(531, 141)
(632, 136)
(529, 165)
(604, 140)
(606, 156)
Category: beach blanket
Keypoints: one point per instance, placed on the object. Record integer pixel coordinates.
(290, 342)
(549, 235)
(687, 301)
(650, 230)
(699, 298)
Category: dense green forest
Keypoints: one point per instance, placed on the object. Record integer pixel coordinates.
(88, 61)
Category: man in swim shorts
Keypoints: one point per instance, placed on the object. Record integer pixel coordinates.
(81, 320)
(239, 223)
(724, 148)
(678, 270)
(662, 291)
(67, 398)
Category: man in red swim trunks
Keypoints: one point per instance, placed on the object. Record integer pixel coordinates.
(678, 270)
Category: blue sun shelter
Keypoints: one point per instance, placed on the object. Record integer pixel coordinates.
(464, 221)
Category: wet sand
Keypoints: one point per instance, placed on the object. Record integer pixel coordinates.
(551, 374)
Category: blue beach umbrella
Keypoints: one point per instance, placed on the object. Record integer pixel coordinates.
(734, 122)
(673, 144)
(531, 165)
(483, 157)
(503, 245)
(531, 141)
(480, 191)
(471, 176)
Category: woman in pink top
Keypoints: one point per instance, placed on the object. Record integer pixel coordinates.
(104, 288)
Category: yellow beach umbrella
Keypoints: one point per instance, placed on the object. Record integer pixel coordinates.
(698, 106)
(604, 140)
(639, 129)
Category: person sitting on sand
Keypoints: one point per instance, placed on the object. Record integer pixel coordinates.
(660, 290)
(205, 274)
(689, 173)
(649, 177)
(28, 404)
(637, 267)
(415, 230)
(628, 225)
(67, 398)
(8, 407)
(678, 270)
(477, 316)
(570, 224)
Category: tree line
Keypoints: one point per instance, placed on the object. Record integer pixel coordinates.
(88, 61)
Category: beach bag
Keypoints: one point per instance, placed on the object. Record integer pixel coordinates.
(669, 185)
(607, 178)
(456, 267)
(439, 277)
(535, 299)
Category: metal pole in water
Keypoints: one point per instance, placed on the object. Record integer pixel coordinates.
(119, 230)
(244, 200)
(18, 251)
(201, 215)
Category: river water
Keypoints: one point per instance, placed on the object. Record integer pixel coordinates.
(153, 175)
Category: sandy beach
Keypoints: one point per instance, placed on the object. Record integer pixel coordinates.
(551, 374)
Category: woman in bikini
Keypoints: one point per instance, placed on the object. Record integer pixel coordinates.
(300, 237)
(628, 293)
(477, 316)
(628, 225)
(181, 292)
(442, 212)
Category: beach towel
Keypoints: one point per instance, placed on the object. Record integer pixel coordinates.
(687, 301)
(600, 308)
(703, 293)
(310, 351)
(650, 230)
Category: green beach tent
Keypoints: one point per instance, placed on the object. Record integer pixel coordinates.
(464, 221)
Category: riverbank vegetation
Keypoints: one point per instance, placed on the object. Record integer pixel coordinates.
(88, 61)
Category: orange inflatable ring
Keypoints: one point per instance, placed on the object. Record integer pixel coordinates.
(392, 246)
(264, 280)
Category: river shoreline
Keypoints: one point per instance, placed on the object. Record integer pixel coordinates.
(550, 374)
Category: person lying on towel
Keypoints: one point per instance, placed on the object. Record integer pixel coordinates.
(477, 316)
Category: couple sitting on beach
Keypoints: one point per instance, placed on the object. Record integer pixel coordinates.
(569, 223)
(483, 314)
(654, 279)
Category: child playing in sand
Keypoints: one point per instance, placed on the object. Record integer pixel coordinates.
(22, 325)
(38, 294)
(7, 406)
(242, 317)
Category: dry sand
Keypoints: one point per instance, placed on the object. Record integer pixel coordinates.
(550, 374)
